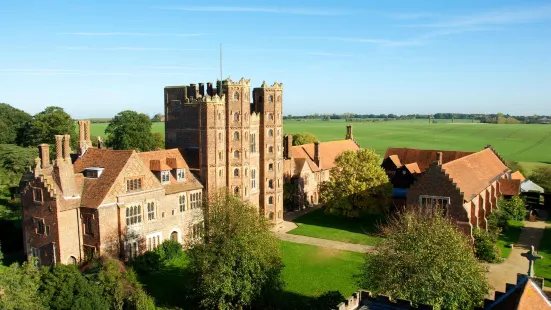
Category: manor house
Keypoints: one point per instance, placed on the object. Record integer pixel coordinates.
(122, 202)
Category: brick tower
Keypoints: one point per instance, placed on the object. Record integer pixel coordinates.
(229, 142)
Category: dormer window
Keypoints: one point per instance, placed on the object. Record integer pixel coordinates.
(92, 172)
(180, 174)
(165, 176)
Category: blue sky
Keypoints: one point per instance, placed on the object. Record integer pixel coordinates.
(98, 58)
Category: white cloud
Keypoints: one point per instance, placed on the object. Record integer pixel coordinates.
(275, 10)
(132, 34)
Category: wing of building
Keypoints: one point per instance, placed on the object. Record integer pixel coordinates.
(307, 166)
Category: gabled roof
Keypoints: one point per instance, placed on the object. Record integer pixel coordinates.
(163, 159)
(329, 151)
(526, 295)
(413, 168)
(396, 160)
(509, 187)
(474, 172)
(517, 175)
(94, 191)
(423, 158)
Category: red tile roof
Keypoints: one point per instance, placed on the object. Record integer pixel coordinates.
(526, 295)
(423, 158)
(164, 160)
(413, 168)
(517, 175)
(509, 187)
(94, 191)
(396, 160)
(475, 172)
(329, 151)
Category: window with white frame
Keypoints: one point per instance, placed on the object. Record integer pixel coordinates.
(154, 240)
(195, 200)
(180, 174)
(165, 176)
(132, 249)
(434, 202)
(150, 211)
(133, 184)
(253, 178)
(197, 230)
(182, 202)
(133, 215)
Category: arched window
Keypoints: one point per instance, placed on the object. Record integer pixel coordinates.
(236, 96)
(270, 99)
(270, 116)
(236, 136)
(271, 200)
(270, 133)
(271, 184)
(235, 172)
(220, 173)
(278, 98)
(236, 116)
(236, 154)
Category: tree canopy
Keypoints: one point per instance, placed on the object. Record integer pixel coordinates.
(303, 138)
(238, 264)
(357, 184)
(426, 259)
(45, 125)
(542, 177)
(157, 117)
(13, 162)
(130, 130)
(11, 122)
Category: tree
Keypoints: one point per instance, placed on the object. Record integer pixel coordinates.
(513, 209)
(158, 141)
(157, 117)
(542, 177)
(45, 125)
(19, 286)
(130, 130)
(515, 166)
(303, 138)
(13, 162)
(11, 121)
(357, 184)
(424, 258)
(238, 263)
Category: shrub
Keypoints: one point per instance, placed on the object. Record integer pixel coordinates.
(169, 250)
(497, 221)
(148, 261)
(513, 209)
(484, 246)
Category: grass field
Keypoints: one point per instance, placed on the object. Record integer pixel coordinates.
(524, 142)
(508, 237)
(319, 224)
(543, 266)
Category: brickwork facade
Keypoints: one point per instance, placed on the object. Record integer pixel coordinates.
(229, 141)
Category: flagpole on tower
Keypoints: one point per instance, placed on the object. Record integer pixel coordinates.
(220, 67)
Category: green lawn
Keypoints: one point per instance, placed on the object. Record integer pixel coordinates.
(528, 143)
(322, 225)
(98, 129)
(543, 266)
(311, 271)
(509, 236)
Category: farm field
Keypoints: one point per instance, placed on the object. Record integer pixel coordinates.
(523, 142)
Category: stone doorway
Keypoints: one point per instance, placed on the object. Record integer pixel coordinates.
(174, 236)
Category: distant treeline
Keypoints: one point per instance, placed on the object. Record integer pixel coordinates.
(498, 118)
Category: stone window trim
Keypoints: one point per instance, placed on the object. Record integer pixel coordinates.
(37, 195)
(182, 202)
(40, 228)
(236, 172)
(270, 99)
(151, 210)
(195, 200)
(134, 184)
(270, 167)
(271, 184)
(154, 240)
(236, 117)
(270, 149)
(253, 179)
(434, 201)
(88, 224)
(180, 174)
(236, 154)
(236, 136)
(270, 200)
(270, 132)
(132, 249)
(133, 214)
(236, 96)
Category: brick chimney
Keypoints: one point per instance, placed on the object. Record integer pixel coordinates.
(100, 143)
(202, 89)
(67, 148)
(84, 141)
(58, 148)
(349, 135)
(63, 168)
(317, 155)
(44, 153)
(209, 89)
(287, 145)
(439, 158)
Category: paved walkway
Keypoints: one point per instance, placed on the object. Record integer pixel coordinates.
(281, 230)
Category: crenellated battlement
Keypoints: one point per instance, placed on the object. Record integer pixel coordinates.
(362, 299)
(241, 82)
(276, 85)
(255, 118)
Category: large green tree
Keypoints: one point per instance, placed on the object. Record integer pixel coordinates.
(238, 263)
(13, 162)
(19, 287)
(45, 125)
(357, 184)
(424, 258)
(130, 130)
(542, 177)
(303, 138)
(11, 121)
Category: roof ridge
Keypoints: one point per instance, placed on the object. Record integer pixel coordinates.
(467, 156)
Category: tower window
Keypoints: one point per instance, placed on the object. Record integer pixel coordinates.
(270, 116)
(271, 184)
(271, 200)
(253, 178)
(270, 133)
(236, 116)
(270, 99)
(236, 154)
(235, 172)
(236, 190)
(219, 155)
(270, 149)
(271, 167)
(236, 96)
(219, 116)
(236, 136)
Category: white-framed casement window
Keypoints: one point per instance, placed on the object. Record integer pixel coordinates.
(253, 179)
(132, 249)
(197, 230)
(195, 200)
(426, 201)
(151, 211)
(182, 202)
(133, 215)
(180, 174)
(37, 194)
(154, 240)
(165, 176)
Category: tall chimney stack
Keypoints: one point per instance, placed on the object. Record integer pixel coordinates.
(317, 155)
(100, 143)
(58, 149)
(439, 158)
(84, 141)
(202, 89)
(44, 153)
(209, 89)
(287, 145)
(67, 147)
